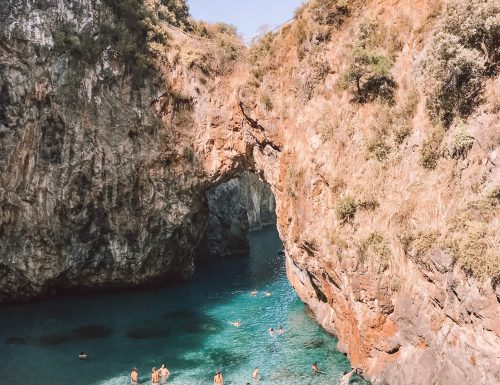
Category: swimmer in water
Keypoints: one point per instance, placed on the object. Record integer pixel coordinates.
(255, 374)
(254, 292)
(280, 330)
(314, 368)
(218, 379)
(134, 377)
(267, 293)
(347, 377)
(155, 376)
(164, 373)
(236, 324)
(82, 355)
(271, 331)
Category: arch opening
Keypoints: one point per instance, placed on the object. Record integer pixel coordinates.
(236, 208)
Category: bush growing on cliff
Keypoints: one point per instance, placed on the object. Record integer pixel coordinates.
(369, 70)
(330, 12)
(465, 51)
(377, 249)
(378, 147)
(188, 153)
(462, 143)
(219, 55)
(431, 149)
(473, 238)
(369, 74)
(369, 203)
(345, 208)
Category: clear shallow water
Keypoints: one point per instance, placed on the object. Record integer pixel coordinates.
(185, 326)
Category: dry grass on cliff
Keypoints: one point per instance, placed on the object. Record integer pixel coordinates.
(474, 239)
(405, 167)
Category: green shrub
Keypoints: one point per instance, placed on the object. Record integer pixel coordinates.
(188, 153)
(378, 148)
(345, 208)
(462, 143)
(463, 53)
(369, 74)
(431, 149)
(175, 12)
(376, 248)
(369, 204)
(472, 238)
(330, 12)
(219, 56)
(262, 47)
(401, 133)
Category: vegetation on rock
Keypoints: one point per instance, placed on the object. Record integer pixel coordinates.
(369, 70)
(346, 208)
(464, 52)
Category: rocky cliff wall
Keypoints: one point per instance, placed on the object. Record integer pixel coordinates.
(383, 162)
(258, 200)
(390, 229)
(234, 208)
(100, 182)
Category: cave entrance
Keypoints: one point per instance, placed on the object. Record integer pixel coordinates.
(236, 208)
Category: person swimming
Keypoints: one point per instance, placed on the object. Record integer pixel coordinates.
(236, 324)
(218, 379)
(134, 376)
(315, 368)
(280, 330)
(267, 293)
(271, 331)
(347, 377)
(82, 355)
(254, 292)
(255, 374)
(164, 374)
(155, 376)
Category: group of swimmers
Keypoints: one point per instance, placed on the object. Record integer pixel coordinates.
(271, 330)
(219, 379)
(158, 376)
(254, 293)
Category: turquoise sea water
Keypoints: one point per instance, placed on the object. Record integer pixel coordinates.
(184, 326)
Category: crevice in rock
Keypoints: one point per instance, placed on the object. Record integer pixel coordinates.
(319, 294)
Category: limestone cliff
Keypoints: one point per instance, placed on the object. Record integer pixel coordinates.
(376, 124)
(100, 183)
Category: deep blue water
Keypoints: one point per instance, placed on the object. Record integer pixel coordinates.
(184, 326)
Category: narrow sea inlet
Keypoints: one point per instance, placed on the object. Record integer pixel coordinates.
(186, 327)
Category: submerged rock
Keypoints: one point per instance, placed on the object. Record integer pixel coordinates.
(92, 331)
(148, 332)
(13, 340)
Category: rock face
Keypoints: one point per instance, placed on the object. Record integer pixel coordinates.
(99, 183)
(389, 218)
(258, 200)
(235, 208)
